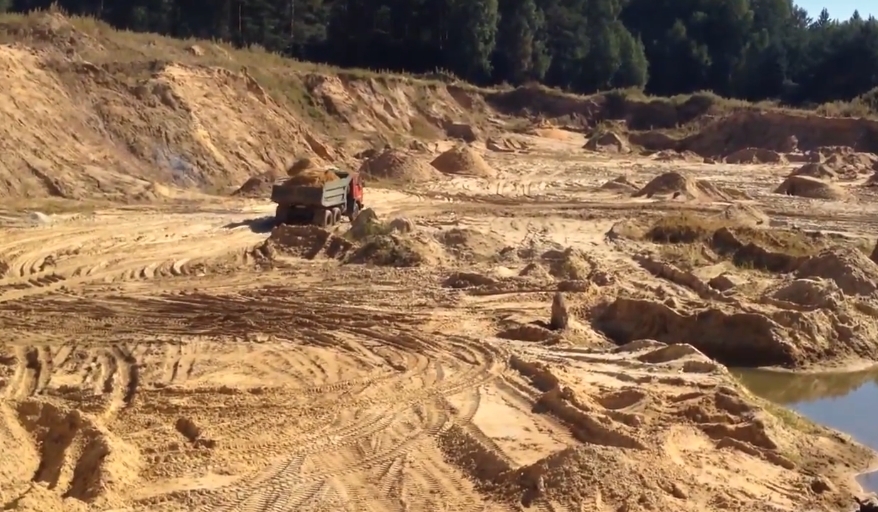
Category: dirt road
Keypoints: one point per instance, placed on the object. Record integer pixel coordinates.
(172, 359)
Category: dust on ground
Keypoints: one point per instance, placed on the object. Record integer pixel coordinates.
(553, 335)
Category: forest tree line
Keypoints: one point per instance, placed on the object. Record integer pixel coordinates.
(749, 49)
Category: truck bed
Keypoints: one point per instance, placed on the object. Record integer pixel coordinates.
(330, 194)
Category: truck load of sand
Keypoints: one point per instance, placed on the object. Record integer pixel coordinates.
(463, 160)
(311, 178)
(678, 185)
(392, 164)
(806, 186)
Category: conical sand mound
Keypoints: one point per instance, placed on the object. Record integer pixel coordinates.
(676, 185)
(806, 186)
(463, 160)
(398, 166)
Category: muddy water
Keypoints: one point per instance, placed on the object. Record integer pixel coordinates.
(845, 402)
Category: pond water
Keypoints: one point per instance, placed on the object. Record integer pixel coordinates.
(846, 402)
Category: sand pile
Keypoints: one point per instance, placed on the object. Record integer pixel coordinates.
(569, 264)
(306, 242)
(608, 142)
(622, 185)
(676, 185)
(755, 156)
(670, 155)
(257, 186)
(470, 244)
(392, 164)
(463, 160)
(815, 170)
(850, 269)
(805, 186)
(812, 293)
(396, 250)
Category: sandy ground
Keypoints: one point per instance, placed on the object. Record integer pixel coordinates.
(172, 359)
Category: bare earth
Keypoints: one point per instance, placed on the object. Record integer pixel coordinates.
(172, 359)
(540, 319)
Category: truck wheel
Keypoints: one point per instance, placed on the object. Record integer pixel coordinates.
(355, 211)
(336, 216)
(280, 214)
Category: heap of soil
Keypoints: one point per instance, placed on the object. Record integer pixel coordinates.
(755, 156)
(676, 184)
(365, 225)
(394, 250)
(669, 155)
(621, 184)
(815, 170)
(306, 242)
(397, 165)
(463, 160)
(257, 186)
(470, 244)
(608, 142)
(806, 186)
(849, 268)
(569, 264)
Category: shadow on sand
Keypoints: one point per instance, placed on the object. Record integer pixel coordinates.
(258, 225)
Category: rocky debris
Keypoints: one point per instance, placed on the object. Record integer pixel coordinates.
(725, 282)
(755, 156)
(608, 142)
(622, 184)
(816, 170)
(867, 504)
(505, 145)
(560, 316)
(806, 186)
(468, 280)
(463, 131)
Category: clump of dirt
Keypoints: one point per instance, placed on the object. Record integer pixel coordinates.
(468, 280)
(470, 244)
(537, 271)
(463, 160)
(813, 188)
(401, 225)
(365, 225)
(301, 165)
(669, 155)
(506, 145)
(813, 293)
(815, 170)
(849, 268)
(755, 156)
(744, 215)
(622, 185)
(570, 264)
(608, 142)
(676, 185)
(393, 250)
(307, 242)
(400, 166)
(257, 186)
(560, 316)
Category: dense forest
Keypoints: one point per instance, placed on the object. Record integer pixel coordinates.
(750, 49)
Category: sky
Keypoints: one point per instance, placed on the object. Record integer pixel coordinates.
(840, 9)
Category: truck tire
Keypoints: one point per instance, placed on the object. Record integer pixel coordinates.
(355, 210)
(281, 213)
(336, 216)
(323, 218)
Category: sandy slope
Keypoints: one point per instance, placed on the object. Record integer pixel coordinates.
(170, 359)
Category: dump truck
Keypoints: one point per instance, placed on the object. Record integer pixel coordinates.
(319, 204)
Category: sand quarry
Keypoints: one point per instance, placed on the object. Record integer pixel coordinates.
(537, 319)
